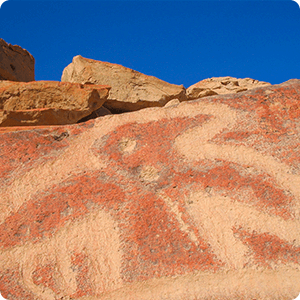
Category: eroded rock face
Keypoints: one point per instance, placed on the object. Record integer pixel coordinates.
(16, 64)
(222, 85)
(48, 102)
(200, 200)
(130, 90)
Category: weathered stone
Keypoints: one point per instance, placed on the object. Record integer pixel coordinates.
(130, 90)
(48, 102)
(222, 85)
(16, 64)
(195, 201)
(172, 102)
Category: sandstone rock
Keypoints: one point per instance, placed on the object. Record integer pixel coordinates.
(196, 201)
(48, 102)
(131, 90)
(172, 102)
(16, 64)
(222, 85)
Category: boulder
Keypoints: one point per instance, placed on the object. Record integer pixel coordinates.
(130, 90)
(200, 200)
(48, 102)
(222, 85)
(16, 64)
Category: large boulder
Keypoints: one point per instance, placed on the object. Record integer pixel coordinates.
(198, 200)
(48, 102)
(222, 85)
(130, 90)
(16, 64)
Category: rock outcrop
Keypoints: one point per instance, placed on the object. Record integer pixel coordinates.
(130, 90)
(222, 85)
(197, 200)
(48, 102)
(16, 64)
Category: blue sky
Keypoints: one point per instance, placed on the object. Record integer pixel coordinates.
(181, 42)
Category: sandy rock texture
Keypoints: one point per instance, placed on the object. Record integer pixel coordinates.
(222, 85)
(48, 102)
(198, 200)
(16, 64)
(131, 90)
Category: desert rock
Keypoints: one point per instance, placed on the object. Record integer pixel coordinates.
(130, 90)
(16, 64)
(48, 102)
(200, 200)
(222, 85)
(172, 102)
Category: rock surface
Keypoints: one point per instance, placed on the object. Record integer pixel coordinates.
(48, 102)
(131, 90)
(16, 64)
(200, 200)
(222, 85)
(100, 112)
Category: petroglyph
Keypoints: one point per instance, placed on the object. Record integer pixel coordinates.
(96, 236)
(201, 148)
(216, 215)
(50, 173)
(142, 215)
(59, 169)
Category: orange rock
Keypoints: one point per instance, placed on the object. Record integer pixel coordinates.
(222, 85)
(48, 102)
(16, 64)
(130, 90)
(199, 200)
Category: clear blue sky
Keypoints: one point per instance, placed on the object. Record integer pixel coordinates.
(181, 42)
